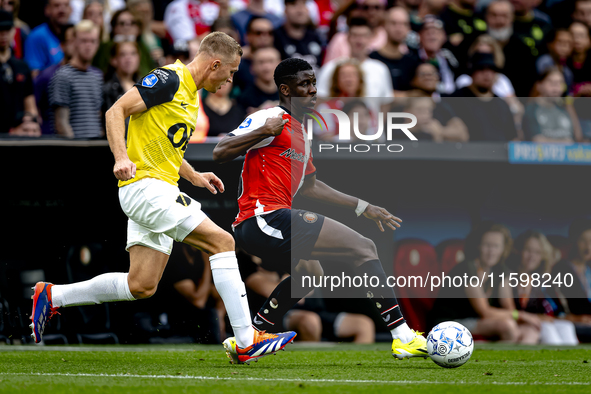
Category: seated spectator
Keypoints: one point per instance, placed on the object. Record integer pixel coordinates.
(376, 76)
(259, 34)
(431, 50)
(487, 117)
(401, 65)
(546, 118)
(531, 25)
(373, 12)
(534, 259)
(487, 310)
(365, 124)
(42, 48)
(425, 82)
(189, 19)
(560, 47)
(255, 8)
(124, 27)
(295, 38)
(426, 7)
(580, 60)
(76, 89)
(427, 128)
(224, 114)
(125, 62)
(263, 92)
(21, 29)
(225, 25)
(94, 11)
(45, 76)
(582, 12)
(519, 57)
(144, 11)
(17, 101)
(486, 44)
(462, 26)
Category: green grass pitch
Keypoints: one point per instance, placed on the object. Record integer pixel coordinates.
(323, 369)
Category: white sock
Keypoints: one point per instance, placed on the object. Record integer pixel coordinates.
(227, 280)
(103, 288)
(402, 332)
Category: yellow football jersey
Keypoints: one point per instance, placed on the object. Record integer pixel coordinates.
(157, 138)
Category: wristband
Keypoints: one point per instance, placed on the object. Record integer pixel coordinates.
(515, 314)
(361, 207)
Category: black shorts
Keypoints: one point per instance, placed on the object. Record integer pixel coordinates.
(281, 236)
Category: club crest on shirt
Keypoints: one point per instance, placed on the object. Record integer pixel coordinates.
(149, 80)
(310, 217)
(246, 123)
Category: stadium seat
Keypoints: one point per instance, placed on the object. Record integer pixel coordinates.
(450, 252)
(415, 257)
(561, 246)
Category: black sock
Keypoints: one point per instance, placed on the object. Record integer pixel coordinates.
(279, 302)
(383, 298)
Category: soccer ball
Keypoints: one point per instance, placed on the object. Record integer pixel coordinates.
(450, 344)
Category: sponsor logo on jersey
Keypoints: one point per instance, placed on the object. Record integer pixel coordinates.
(292, 154)
(246, 123)
(310, 217)
(149, 80)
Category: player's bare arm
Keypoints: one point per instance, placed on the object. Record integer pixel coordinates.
(129, 104)
(207, 180)
(318, 190)
(231, 147)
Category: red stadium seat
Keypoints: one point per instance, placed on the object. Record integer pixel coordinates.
(415, 257)
(450, 252)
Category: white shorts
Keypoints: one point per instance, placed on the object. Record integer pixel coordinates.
(158, 213)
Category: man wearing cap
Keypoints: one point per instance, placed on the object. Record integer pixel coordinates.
(42, 48)
(17, 101)
(487, 116)
(431, 50)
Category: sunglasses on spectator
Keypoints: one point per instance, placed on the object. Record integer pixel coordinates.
(262, 32)
(372, 7)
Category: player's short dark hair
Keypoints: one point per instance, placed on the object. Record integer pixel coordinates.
(288, 69)
(254, 19)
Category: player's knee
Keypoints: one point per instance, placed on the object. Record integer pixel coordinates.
(224, 243)
(143, 290)
(365, 250)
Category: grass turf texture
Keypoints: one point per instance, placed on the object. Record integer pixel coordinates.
(300, 369)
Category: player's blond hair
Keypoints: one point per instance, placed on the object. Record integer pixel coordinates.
(220, 44)
(85, 26)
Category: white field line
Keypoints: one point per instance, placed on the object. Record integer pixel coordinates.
(216, 378)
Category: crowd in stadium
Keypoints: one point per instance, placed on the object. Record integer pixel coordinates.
(65, 62)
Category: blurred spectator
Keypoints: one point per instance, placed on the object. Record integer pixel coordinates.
(401, 65)
(519, 57)
(42, 48)
(376, 75)
(578, 296)
(254, 8)
(546, 118)
(187, 19)
(124, 27)
(95, 12)
(364, 118)
(125, 62)
(486, 44)
(560, 48)
(277, 8)
(427, 128)
(144, 11)
(373, 12)
(263, 92)
(425, 82)
(426, 7)
(224, 113)
(296, 38)
(109, 8)
(580, 60)
(225, 25)
(45, 76)
(179, 51)
(259, 34)
(462, 26)
(17, 102)
(76, 89)
(487, 117)
(531, 25)
(534, 259)
(486, 310)
(431, 50)
(582, 12)
(21, 29)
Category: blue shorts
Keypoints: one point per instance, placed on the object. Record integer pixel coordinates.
(280, 237)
